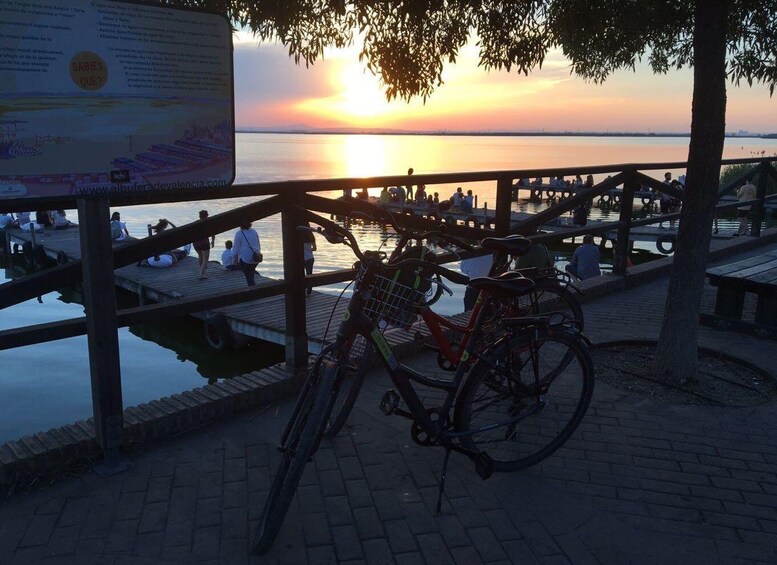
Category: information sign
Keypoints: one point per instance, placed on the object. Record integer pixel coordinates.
(103, 97)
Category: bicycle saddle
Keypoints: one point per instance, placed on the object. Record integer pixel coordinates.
(512, 244)
(513, 284)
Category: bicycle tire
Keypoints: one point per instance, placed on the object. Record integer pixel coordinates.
(301, 443)
(517, 422)
(350, 377)
(550, 296)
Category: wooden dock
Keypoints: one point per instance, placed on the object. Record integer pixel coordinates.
(260, 319)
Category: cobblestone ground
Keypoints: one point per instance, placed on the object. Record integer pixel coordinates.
(639, 482)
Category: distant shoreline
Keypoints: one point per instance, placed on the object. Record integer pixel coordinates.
(488, 133)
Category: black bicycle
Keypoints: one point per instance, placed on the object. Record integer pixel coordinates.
(513, 400)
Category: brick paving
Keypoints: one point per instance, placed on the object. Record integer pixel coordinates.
(639, 482)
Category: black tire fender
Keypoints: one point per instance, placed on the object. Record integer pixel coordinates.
(218, 334)
(665, 243)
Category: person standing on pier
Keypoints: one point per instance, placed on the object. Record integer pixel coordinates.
(746, 192)
(410, 185)
(308, 247)
(247, 251)
(203, 246)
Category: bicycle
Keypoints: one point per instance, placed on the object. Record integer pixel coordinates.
(550, 294)
(488, 412)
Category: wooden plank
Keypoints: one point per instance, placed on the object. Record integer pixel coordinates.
(743, 264)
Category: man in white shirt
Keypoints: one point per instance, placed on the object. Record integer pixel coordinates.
(474, 268)
(746, 192)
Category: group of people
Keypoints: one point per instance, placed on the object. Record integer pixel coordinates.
(671, 202)
(559, 182)
(583, 265)
(44, 219)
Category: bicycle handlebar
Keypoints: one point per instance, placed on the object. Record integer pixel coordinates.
(407, 234)
(335, 233)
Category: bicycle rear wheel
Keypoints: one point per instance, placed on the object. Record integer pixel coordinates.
(302, 441)
(350, 377)
(549, 296)
(524, 398)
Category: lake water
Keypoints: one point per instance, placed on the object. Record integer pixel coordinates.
(47, 385)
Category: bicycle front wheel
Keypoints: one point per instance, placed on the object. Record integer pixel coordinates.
(302, 441)
(350, 377)
(524, 397)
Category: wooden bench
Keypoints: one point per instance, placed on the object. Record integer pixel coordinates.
(757, 275)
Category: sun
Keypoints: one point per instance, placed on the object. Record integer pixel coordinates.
(356, 98)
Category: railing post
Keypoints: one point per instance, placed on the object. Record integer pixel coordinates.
(620, 252)
(101, 327)
(503, 204)
(758, 209)
(293, 274)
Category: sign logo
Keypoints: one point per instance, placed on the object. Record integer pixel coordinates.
(88, 70)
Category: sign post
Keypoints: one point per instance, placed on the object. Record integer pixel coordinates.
(106, 97)
(102, 331)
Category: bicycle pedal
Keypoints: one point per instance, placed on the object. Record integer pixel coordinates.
(390, 402)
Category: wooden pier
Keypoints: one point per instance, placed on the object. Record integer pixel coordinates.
(224, 327)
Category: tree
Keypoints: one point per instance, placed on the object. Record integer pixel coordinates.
(407, 43)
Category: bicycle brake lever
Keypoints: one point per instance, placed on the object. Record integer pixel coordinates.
(445, 287)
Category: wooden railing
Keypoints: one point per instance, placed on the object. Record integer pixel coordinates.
(290, 199)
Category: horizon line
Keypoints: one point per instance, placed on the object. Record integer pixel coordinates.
(380, 131)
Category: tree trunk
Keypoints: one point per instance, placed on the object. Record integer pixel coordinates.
(677, 352)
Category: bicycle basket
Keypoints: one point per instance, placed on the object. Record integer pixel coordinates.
(397, 295)
(393, 302)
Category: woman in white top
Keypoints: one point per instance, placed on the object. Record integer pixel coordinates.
(244, 245)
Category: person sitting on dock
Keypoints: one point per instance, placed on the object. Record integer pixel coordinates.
(536, 256)
(467, 202)
(578, 181)
(537, 181)
(7, 221)
(23, 218)
(420, 195)
(60, 221)
(585, 260)
(580, 214)
(228, 257)
(384, 196)
(363, 194)
(43, 218)
(397, 195)
(589, 182)
(118, 228)
(457, 197)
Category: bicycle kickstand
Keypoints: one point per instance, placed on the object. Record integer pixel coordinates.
(442, 479)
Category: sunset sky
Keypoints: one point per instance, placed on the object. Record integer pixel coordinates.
(272, 92)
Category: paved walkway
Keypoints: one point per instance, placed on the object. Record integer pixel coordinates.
(639, 482)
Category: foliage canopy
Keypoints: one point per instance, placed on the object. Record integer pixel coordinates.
(407, 43)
